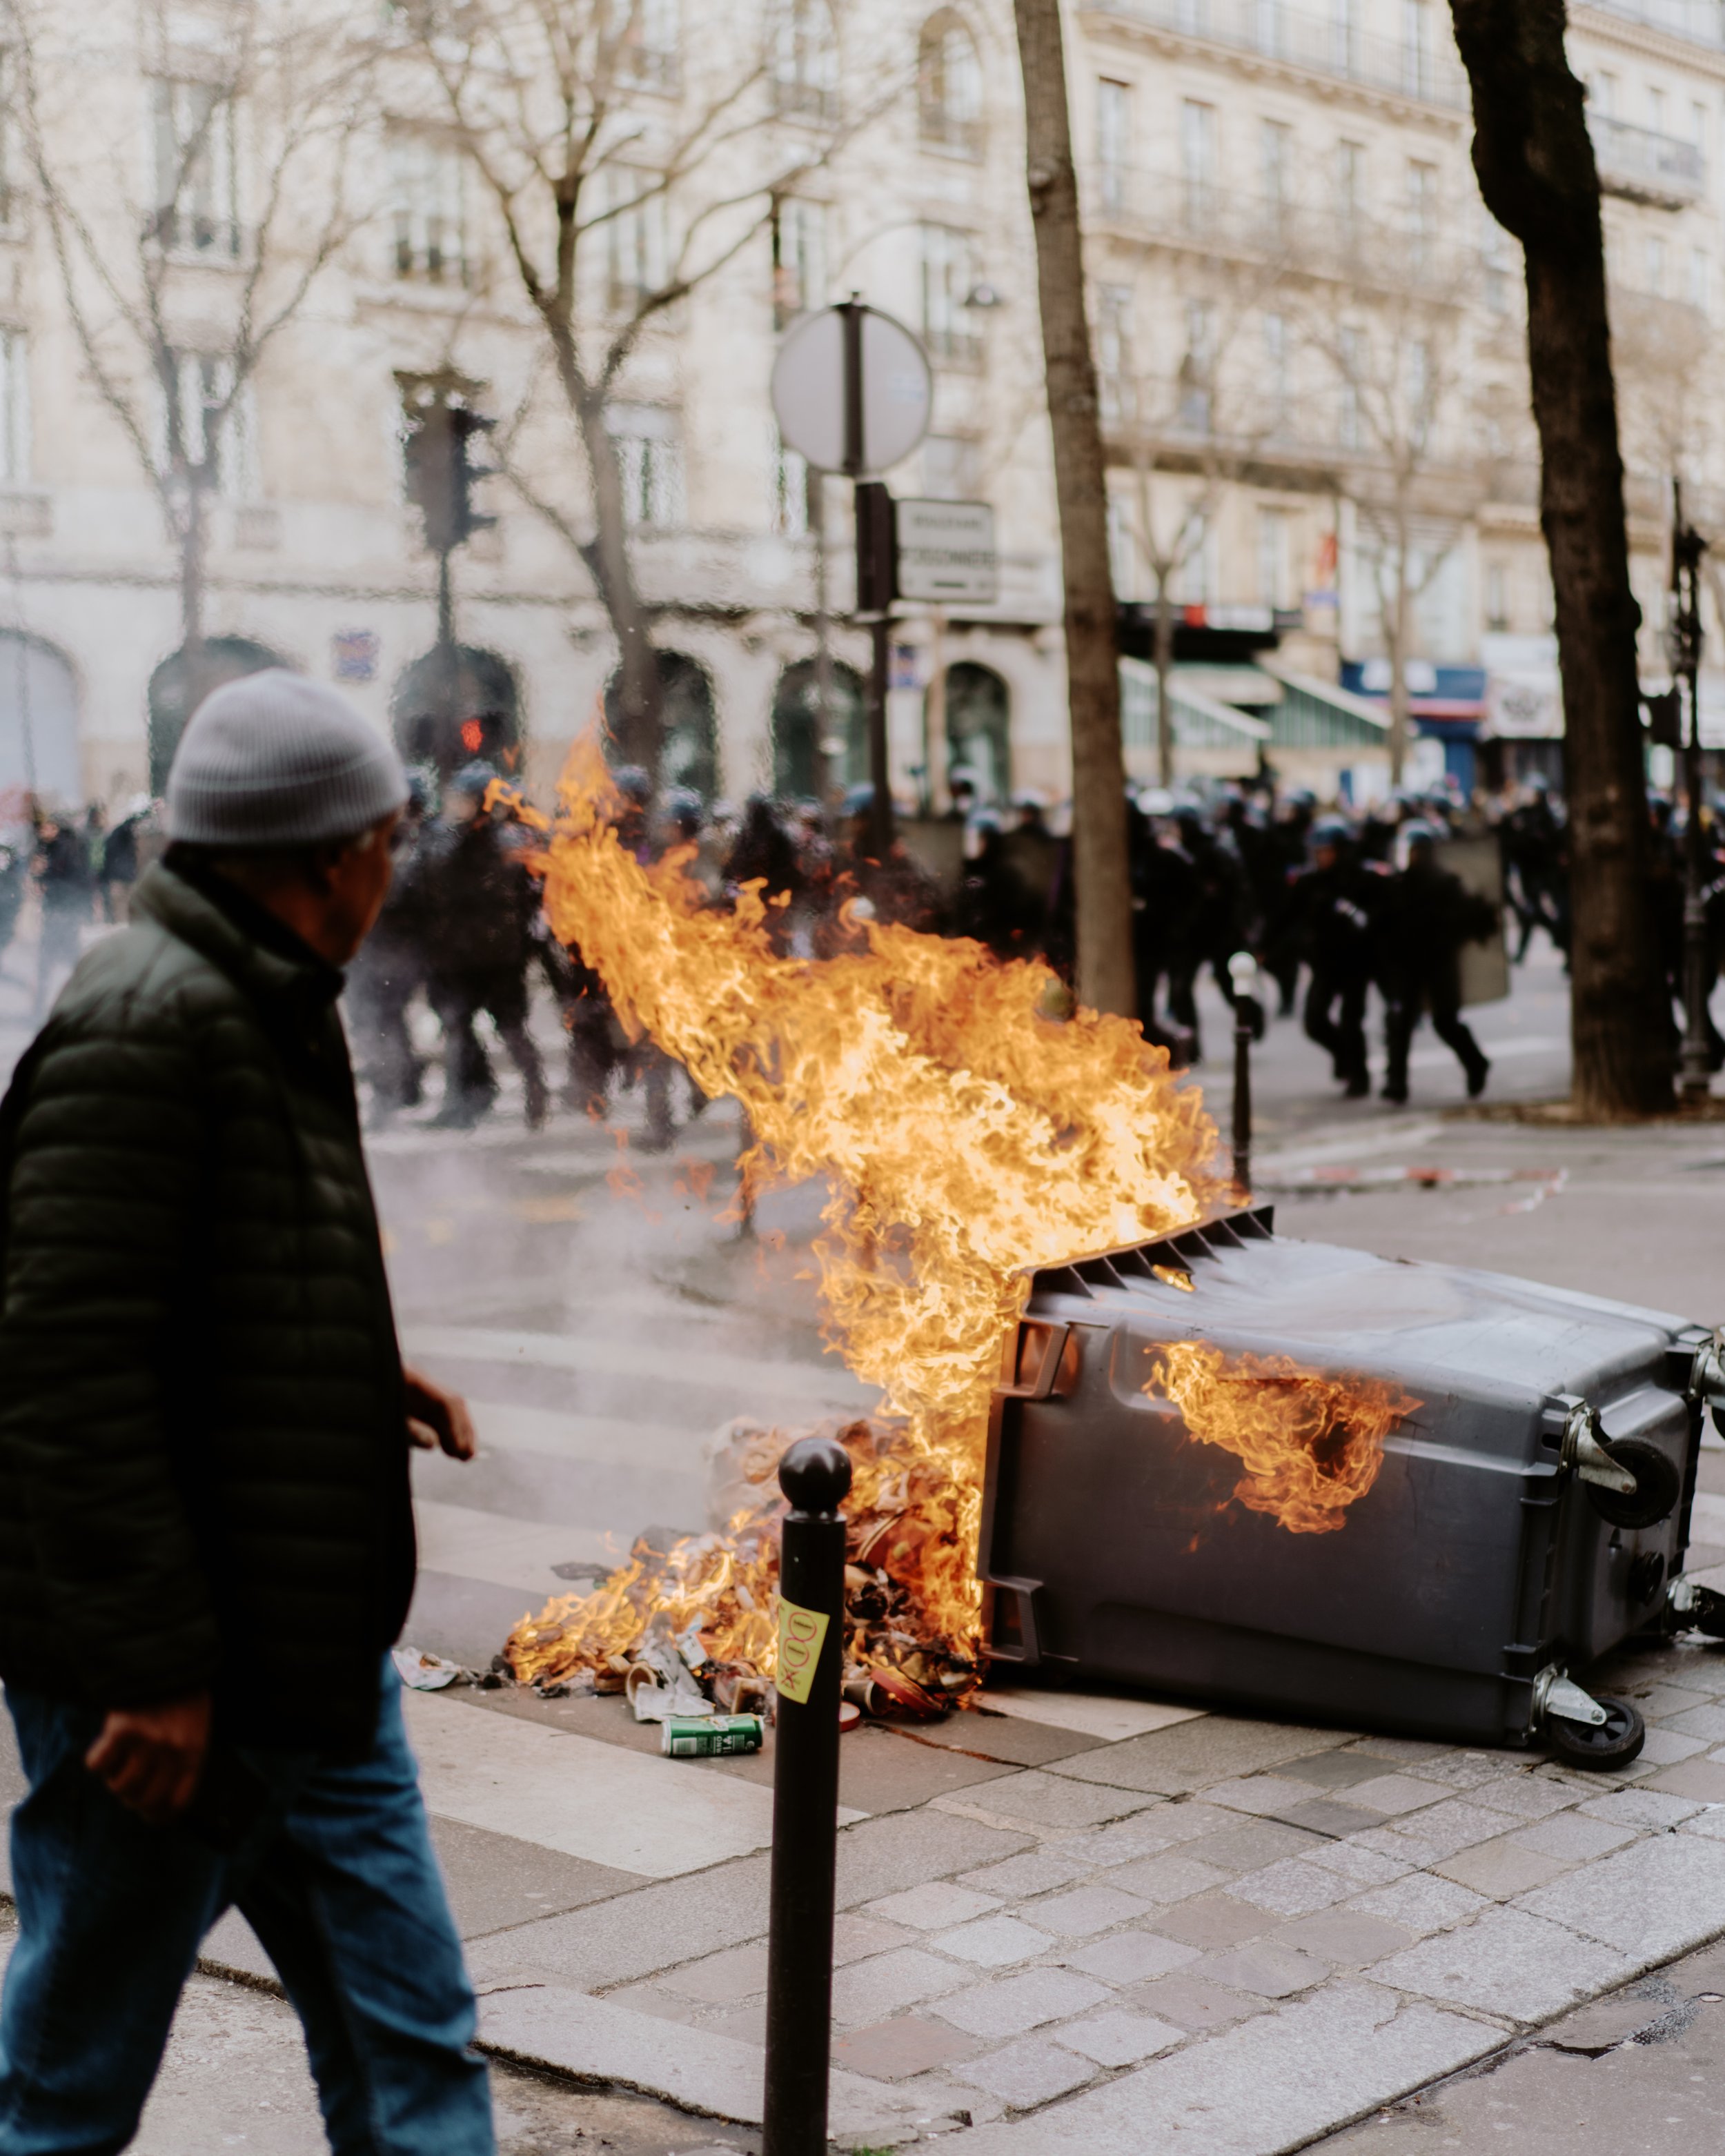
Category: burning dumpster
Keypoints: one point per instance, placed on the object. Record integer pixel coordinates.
(1492, 1485)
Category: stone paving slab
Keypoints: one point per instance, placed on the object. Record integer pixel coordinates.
(1258, 2089)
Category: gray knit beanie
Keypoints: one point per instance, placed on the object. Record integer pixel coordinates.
(275, 760)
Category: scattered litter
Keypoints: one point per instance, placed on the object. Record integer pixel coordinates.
(717, 1737)
(687, 1625)
(423, 1672)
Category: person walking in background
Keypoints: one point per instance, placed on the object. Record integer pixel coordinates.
(389, 969)
(68, 888)
(206, 1540)
(1427, 917)
(479, 908)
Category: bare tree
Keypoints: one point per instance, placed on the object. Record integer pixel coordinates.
(175, 294)
(613, 215)
(1208, 418)
(1535, 162)
(1410, 455)
(1101, 867)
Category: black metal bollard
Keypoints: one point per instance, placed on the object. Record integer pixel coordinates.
(1243, 972)
(815, 1476)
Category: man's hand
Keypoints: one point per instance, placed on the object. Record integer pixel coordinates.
(151, 1757)
(437, 1418)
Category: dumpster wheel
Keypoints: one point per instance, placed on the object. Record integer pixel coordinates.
(1658, 1485)
(1612, 1742)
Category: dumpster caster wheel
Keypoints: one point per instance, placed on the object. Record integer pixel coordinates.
(1612, 1742)
(1696, 1608)
(1658, 1486)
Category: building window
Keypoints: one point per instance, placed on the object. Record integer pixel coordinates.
(1197, 367)
(948, 282)
(1195, 580)
(14, 409)
(1344, 35)
(648, 35)
(196, 209)
(1114, 142)
(1701, 281)
(803, 60)
(1114, 353)
(1497, 597)
(1350, 430)
(951, 467)
(1350, 190)
(1602, 93)
(427, 180)
(949, 87)
(1275, 143)
(649, 458)
(1657, 111)
(1277, 408)
(1655, 268)
(790, 490)
(799, 258)
(1422, 215)
(1418, 66)
(1494, 263)
(216, 437)
(1122, 549)
(636, 255)
(1197, 162)
(1274, 556)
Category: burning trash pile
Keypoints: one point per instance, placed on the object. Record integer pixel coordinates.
(965, 1137)
(690, 1628)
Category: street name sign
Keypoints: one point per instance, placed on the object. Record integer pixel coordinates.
(946, 552)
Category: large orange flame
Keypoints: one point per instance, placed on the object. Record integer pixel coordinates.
(1311, 1444)
(970, 1129)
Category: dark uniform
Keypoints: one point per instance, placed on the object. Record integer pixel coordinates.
(480, 907)
(1427, 915)
(1331, 907)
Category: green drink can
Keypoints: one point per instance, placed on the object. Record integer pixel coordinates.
(711, 1736)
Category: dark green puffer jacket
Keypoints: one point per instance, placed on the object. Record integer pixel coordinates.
(204, 1457)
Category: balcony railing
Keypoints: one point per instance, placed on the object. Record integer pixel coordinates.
(1645, 166)
(1311, 238)
(1324, 44)
(1701, 22)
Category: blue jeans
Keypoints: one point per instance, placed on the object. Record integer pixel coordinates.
(338, 1880)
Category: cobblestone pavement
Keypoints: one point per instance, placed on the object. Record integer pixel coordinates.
(1070, 1923)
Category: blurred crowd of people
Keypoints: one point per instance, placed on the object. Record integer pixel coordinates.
(1347, 903)
(1334, 904)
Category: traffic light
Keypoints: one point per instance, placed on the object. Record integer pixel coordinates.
(441, 473)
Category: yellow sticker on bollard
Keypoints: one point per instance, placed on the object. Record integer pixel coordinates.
(801, 1634)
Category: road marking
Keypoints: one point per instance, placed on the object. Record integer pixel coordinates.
(633, 1810)
(752, 1377)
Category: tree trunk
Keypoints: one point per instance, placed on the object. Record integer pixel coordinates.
(1397, 640)
(1100, 869)
(1536, 169)
(1164, 679)
(193, 659)
(639, 732)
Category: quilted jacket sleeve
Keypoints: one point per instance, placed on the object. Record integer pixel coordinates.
(104, 1170)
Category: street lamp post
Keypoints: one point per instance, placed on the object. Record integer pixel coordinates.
(1683, 639)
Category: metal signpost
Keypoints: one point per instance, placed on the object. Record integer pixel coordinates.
(852, 392)
(1684, 639)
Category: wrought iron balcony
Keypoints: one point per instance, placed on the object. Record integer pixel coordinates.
(1701, 22)
(1328, 44)
(1645, 166)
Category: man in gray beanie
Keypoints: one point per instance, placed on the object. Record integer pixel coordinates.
(206, 1540)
